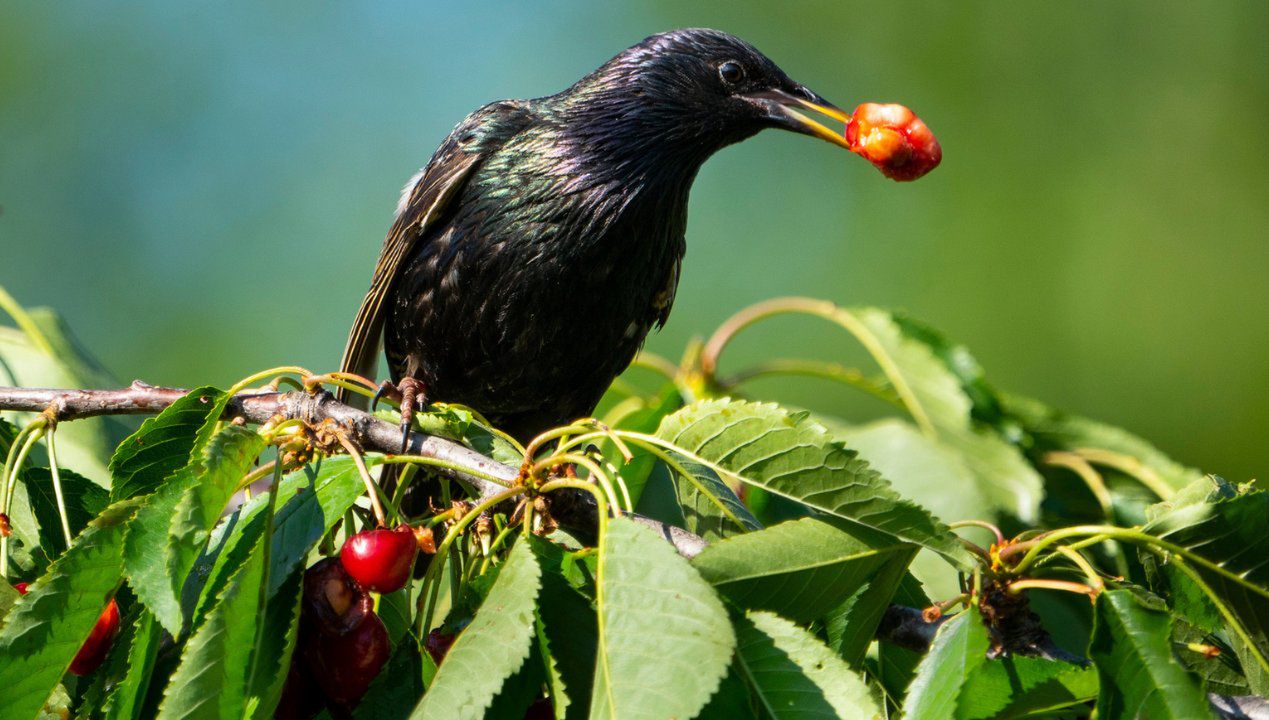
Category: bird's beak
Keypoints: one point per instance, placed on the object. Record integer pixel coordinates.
(784, 108)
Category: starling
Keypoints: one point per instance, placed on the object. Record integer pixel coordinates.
(532, 255)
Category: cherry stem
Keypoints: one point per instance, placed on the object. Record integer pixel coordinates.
(443, 464)
(424, 622)
(831, 312)
(57, 483)
(833, 372)
(246, 382)
(1094, 580)
(22, 444)
(1087, 473)
(1130, 466)
(597, 474)
(371, 488)
(1018, 586)
(656, 364)
(1000, 537)
(266, 550)
(250, 478)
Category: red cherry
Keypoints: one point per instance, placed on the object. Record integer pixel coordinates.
(380, 559)
(343, 666)
(94, 650)
(438, 644)
(97, 646)
(894, 140)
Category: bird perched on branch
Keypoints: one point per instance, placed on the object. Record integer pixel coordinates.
(541, 243)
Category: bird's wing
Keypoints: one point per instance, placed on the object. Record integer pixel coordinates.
(421, 205)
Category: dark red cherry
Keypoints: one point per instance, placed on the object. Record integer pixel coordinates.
(94, 650)
(343, 666)
(438, 644)
(301, 699)
(332, 601)
(380, 559)
(21, 587)
(541, 709)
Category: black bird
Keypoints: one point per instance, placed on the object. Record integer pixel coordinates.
(540, 244)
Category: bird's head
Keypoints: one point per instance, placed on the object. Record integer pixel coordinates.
(693, 91)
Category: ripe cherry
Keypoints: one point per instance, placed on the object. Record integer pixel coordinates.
(301, 699)
(438, 644)
(541, 709)
(332, 602)
(344, 665)
(94, 650)
(894, 140)
(380, 559)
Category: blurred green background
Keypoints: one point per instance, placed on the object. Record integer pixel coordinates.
(201, 189)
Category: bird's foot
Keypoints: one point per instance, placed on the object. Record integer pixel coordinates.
(409, 394)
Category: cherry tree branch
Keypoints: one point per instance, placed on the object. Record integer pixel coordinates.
(573, 509)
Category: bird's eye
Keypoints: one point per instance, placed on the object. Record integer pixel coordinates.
(731, 72)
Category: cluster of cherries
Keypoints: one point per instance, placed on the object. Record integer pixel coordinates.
(342, 643)
(93, 652)
(894, 140)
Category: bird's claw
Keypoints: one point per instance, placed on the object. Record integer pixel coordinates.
(409, 394)
(387, 389)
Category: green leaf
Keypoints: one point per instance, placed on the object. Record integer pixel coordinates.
(646, 419)
(489, 650)
(521, 689)
(397, 687)
(46, 354)
(958, 649)
(664, 637)
(165, 443)
(732, 700)
(44, 630)
(567, 629)
(799, 569)
(271, 656)
(310, 502)
(985, 404)
(211, 679)
(460, 425)
(896, 667)
(921, 466)
(58, 706)
(1016, 687)
(851, 626)
(395, 609)
(794, 675)
(924, 466)
(128, 695)
(695, 499)
(789, 455)
(1054, 430)
(1139, 676)
(8, 598)
(1222, 674)
(83, 498)
(171, 530)
(1229, 532)
(943, 382)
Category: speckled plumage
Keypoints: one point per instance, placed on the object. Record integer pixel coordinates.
(542, 242)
